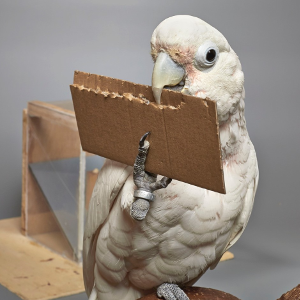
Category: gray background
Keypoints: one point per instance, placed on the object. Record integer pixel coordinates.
(43, 42)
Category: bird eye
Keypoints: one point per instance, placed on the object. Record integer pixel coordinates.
(211, 55)
(206, 55)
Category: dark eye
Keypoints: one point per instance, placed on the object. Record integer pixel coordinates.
(206, 55)
(211, 55)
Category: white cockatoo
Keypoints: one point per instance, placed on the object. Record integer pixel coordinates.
(187, 229)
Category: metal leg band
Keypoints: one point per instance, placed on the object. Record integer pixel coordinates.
(144, 195)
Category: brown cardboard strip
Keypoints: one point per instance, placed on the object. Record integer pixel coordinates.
(113, 114)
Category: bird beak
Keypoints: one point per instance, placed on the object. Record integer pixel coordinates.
(165, 72)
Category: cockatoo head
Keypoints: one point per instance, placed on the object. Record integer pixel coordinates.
(193, 57)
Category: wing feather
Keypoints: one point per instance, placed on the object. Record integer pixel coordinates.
(110, 180)
(243, 219)
(245, 215)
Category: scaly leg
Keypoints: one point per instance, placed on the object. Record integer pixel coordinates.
(146, 183)
(170, 291)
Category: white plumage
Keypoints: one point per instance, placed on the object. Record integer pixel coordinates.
(187, 228)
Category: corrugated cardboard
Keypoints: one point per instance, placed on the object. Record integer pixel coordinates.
(113, 114)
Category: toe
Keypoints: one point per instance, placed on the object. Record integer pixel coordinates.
(143, 138)
(167, 295)
(170, 291)
(180, 294)
(165, 291)
(139, 209)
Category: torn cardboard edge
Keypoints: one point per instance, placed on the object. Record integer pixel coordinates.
(128, 96)
(113, 114)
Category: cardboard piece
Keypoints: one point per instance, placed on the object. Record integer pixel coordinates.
(32, 271)
(113, 114)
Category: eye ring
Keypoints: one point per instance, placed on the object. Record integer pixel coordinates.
(206, 55)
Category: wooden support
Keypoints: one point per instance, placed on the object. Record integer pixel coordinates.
(293, 294)
(198, 293)
(24, 174)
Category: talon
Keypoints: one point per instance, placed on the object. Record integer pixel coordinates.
(143, 138)
(166, 181)
(145, 182)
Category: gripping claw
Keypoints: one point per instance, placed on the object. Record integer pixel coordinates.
(143, 138)
(146, 184)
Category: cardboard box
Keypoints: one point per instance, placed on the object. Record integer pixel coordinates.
(58, 177)
(113, 114)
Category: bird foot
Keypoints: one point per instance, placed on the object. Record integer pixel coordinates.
(146, 183)
(139, 209)
(170, 291)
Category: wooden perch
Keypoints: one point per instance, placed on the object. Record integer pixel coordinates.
(293, 294)
(199, 293)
